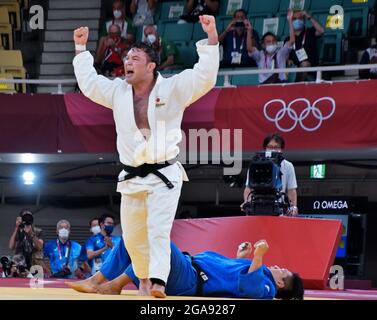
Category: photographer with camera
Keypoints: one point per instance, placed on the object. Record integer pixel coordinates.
(64, 254)
(275, 143)
(99, 246)
(14, 267)
(26, 239)
(238, 41)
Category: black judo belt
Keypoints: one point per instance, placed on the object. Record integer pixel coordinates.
(201, 275)
(147, 168)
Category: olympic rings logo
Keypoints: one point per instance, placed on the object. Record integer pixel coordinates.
(298, 118)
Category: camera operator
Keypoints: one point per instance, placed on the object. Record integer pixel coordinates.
(26, 239)
(63, 253)
(274, 142)
(99, 246)
(14, 267)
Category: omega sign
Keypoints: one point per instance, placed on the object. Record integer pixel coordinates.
(330, 204)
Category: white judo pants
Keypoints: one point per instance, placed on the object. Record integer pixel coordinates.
(147, 219)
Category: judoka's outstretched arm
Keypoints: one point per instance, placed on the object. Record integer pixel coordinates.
(96, 87)
(191, 84)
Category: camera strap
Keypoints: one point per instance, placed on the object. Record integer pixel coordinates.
(67, 251)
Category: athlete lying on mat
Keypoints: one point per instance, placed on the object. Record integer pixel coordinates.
(205, 274)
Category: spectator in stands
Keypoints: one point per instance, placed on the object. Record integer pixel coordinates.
(108, 9)
(99, 246)
(196, 8)
(238, 40)
(168, 52)
(119, 18)
(94, 226)
(271, 56)
(64, 254)
(143, 12)
(369, 57)
(274, 142)
(305, 51)
(110, 53)
(26, 240)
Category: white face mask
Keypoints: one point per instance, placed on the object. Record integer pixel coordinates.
(96, 230)
(117, 14)
(63, 233)
(271, 48)
(151, 38)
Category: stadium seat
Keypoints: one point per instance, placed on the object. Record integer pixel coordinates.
(11, 63)
(284, 5)
(324, 4)
(259, 21)
(6, 32)
(178, 32)
(187, 52)
(6, 87)
(330, 49)
(265, 7)
(349, 4)
(171, 11)
(198, 32)
(356, 22)
(224, 6)
(14, 12)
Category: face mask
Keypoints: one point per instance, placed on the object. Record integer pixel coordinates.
(151, 38)
(109, 230)
(271, 48)
(117, 14)
(64, 233)
(298, 24)
(96, 230)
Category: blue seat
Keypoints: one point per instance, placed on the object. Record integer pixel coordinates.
(330, 49)
(245, 79)
(178, 32)
(267, 7)
(349, 4)
(187, 52)
(324, 4)
(165, 9)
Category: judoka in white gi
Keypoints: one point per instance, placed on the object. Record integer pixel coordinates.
(148, 111)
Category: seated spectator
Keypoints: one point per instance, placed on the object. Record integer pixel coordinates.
(369, 57)
(272, 57)
(110, 53)
(99, 246)
(169, 56)
(119, 18)
(26, 240)
(143, 12)
(305, 51)
(196, 8)
(94, 226)
(64, 254)
(237, 40)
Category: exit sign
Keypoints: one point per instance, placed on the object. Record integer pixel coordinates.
(318, 171)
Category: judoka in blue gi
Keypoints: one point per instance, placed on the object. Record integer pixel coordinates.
(206, 274)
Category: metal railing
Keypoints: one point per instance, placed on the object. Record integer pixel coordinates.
(226, 73)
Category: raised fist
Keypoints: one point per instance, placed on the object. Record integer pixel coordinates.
(260, 248)
(80, 35)
(208, 23)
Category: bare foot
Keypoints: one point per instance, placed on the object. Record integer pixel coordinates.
(110, 288)
(144, 287)
(158, 291)
(83, 286)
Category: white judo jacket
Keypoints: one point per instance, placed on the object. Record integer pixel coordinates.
(167, 102)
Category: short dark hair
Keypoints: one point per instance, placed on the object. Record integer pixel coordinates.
(91, 220)
(150, 52)
(269, 34)
(276, 137)
(293, 288)
(102, 218)
(240, 10)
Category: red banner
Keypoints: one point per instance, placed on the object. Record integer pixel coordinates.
(309, 116)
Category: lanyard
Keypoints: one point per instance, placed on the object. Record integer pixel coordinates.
(303, 41)
(273, 58)
(66, 250)
(234, 42)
